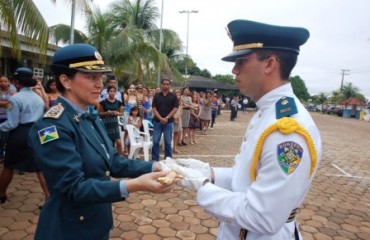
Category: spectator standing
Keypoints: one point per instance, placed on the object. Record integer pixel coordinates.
(205, 113)
(177, 129)
(147, 105)
(111, 81)
(186, 105)
(6, 92)
(164, 107)
(109, 110)
(234, 108)
(77, 158)
(52, 92)
(130, 101)
(214, 109)
(24, 108)
(194, 120)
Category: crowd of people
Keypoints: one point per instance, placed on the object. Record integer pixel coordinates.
(195, 113)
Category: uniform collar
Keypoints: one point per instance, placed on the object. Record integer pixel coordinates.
(273, 96)
(74, 106)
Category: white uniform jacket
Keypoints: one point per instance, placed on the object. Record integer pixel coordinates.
(262, 206)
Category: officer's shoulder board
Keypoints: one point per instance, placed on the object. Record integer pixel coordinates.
(285, 107)
(54, 112)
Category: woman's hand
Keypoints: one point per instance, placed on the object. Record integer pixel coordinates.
(149, 183)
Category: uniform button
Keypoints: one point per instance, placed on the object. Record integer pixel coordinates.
(107, 173)
(82, 218)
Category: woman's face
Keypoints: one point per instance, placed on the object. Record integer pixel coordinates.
(53, 87)
(4, 83)
(112, 93)
(83, 89)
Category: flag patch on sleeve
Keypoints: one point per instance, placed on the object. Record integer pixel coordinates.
(48, 134)
(289, 156)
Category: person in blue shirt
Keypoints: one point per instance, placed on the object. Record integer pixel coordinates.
(77, 157)
(24, 108)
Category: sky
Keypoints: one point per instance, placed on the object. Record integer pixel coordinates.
(339, 34)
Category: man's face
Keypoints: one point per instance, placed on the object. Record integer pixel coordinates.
(83, 89)
(166, 85)
(112, 83)
(247, 70)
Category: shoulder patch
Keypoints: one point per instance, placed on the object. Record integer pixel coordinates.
(285, 107)
(48, 134)
(289, 155)
(55, 111)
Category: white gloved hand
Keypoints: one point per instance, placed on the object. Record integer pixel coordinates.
(198, 165)
(192, 178)
(167, 164)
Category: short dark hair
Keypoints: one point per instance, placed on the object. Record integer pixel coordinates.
(166, 79)
(287, 60)
(69, 74)
(110, 87)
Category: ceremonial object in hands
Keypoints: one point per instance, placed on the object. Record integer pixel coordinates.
(169, 178)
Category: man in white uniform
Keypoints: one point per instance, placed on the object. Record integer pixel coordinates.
(258, 197)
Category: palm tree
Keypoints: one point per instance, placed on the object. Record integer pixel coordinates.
(23, 17)
(349, 90)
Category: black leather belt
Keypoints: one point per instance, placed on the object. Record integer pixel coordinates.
(243, 232)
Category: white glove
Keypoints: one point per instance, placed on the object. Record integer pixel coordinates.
(193, 179)
(200, 166)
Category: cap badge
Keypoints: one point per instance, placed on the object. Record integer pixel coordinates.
(98, 56)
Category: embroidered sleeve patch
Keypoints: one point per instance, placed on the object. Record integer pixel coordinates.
(289, 156)
(48, 134)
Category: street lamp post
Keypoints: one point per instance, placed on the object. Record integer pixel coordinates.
(160, 47)
(187, 39)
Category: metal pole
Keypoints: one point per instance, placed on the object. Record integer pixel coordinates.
(160, 47)
(187, 40)
(72, 36)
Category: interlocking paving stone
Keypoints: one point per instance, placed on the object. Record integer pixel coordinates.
(337, 206)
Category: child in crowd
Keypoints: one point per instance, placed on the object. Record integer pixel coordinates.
(134, 119)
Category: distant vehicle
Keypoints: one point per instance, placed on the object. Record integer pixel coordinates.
(312, 108)
(333, 110)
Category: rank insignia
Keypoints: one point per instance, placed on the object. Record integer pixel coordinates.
(289, 156)
(55, 111)
(285, 107)
(48, 134)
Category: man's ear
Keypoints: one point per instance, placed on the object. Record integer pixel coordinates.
(271, 64)
(65, 81)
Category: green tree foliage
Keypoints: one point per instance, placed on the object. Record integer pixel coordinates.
(22, 16)
(228, 78)
(299, 88)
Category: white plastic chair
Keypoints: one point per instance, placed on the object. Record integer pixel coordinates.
(147, 126)
(137, 142)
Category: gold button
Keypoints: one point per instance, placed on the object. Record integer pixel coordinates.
(82, 218)
(107, 173)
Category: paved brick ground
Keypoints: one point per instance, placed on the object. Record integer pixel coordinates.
(336, 208)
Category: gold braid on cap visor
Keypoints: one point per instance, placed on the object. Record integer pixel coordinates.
(247, 46)
(285, 126)
(87, 63)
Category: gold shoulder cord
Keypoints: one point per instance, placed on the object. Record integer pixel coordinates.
(286, 126)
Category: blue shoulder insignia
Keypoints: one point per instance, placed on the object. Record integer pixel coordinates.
(55, 111)
(285, 107)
